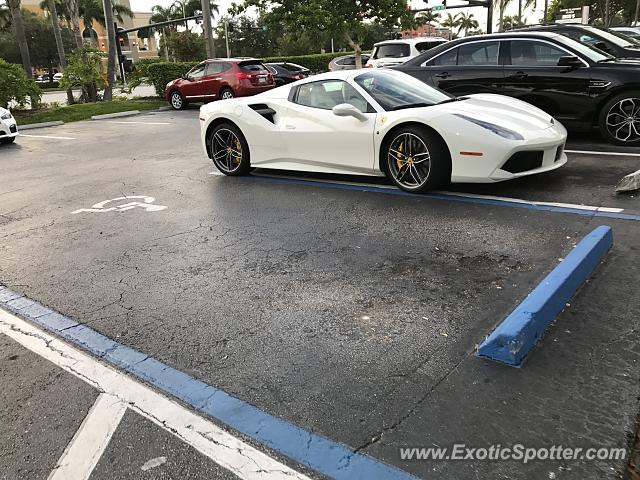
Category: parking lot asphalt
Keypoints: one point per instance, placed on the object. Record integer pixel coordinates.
(350, 313)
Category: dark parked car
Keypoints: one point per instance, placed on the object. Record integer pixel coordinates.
(618, 45)
(580, 86)
(219, 78)
(285, 72)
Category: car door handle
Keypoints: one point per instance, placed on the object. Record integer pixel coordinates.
(442, 75)
(519, 76)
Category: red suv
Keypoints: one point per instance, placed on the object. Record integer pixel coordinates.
(219, 78)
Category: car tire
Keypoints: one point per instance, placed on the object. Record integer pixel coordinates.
(229, 150)
(226, 94)
(619, 119)
(4, 141)
(426, 166)
(177, 100)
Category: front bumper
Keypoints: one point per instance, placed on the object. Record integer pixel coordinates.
(8, 128)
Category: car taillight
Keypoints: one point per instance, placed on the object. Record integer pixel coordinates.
(243, 76)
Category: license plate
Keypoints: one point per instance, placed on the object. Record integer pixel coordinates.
(262, 79)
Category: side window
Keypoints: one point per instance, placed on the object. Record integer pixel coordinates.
(446, 59)
(424, 46)
(329, 93)
(213, 68)
(478, 53)
(272, 70)
(535, 54)
(224, 67)
(197, 71)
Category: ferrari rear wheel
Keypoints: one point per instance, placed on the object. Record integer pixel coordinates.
(416, 160)
(229, 150)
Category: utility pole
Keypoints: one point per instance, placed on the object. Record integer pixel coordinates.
(226, 37)
(206, 24)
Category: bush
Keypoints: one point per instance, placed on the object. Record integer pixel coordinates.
(16, 86)
(316, 63)
(161, 73)
(140, 72)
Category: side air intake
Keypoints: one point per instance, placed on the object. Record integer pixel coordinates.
(264, 110)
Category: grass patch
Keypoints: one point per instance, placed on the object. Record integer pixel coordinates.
(84, 111)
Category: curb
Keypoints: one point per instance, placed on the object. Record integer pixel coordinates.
(106, 116)
(512, 339)
(40, 125)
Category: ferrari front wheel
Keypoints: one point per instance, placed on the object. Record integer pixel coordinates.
(229, 150)
(416, 159)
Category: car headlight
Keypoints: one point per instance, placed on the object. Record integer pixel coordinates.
(498, 130)
(6, 116)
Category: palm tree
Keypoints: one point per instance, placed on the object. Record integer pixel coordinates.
(450, 22)
(430, 17)
(501, 6)
(59, 45)
(92, 10)
(21, 37)
(466, 22)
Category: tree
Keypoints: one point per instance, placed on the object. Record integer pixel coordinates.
(84, 67)
(466, 22)
(59, 46)
(111, 40)
(5, 18)
(450, 22)
(93, 11)
(186, 46)
(509, 22)
(72, 8)
(18, 28)
(345, 19)
(429, 17)
(620, 11)
(16, 86)
(501, 5)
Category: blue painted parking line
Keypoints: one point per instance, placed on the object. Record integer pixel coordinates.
(452, 197)
(327, 457)
(510, 342)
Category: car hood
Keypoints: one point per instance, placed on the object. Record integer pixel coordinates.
(503, 111)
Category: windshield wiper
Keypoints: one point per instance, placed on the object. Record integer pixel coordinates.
(454, 99)
(412, 105)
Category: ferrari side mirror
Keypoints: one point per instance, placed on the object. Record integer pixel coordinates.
(348, 110)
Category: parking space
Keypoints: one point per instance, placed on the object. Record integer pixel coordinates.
(345, 310)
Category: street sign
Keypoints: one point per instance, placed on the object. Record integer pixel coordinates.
(438, 7)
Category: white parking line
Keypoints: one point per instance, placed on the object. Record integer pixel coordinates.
(145, 123)
(243, 460)
(91, 440)
(47, 136)
(614, 154)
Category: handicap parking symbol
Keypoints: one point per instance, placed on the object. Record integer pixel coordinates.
(144, 202)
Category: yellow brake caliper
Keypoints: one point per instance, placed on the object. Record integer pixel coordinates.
(239, 149)
(398, 160)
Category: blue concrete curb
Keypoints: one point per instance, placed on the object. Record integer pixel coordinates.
(330, 458)
(510, 342)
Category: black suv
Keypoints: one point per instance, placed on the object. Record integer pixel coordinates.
(620, 46)
(580, 86)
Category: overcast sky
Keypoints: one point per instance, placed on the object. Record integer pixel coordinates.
(479, 13)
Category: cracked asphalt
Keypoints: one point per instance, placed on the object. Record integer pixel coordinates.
(351, 314)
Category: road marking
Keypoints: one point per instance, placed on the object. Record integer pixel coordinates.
(240, 458)
(330, 458)
(145, 123)
(575, 209)
(146, 204)
(614, 154)
(46, 136)
(90, 441)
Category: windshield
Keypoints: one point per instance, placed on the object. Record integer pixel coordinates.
(610, 37)
(627, 37)
(586, 51)
(393, 90)
(391, 50)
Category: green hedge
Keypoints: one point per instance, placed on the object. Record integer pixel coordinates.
(161, 73)
(317, 62)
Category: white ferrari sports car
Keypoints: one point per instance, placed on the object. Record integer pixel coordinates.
(382, 122)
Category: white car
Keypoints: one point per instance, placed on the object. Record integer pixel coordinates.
(396, 52)
(382, 122)
(633, 32)
(8, 126)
